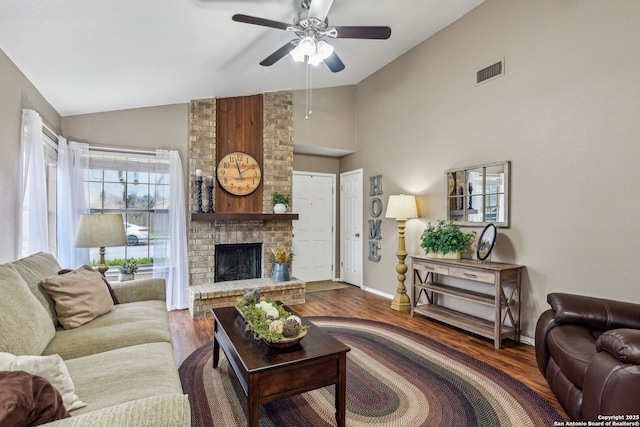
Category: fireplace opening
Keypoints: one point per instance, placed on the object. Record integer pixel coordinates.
(238, 261)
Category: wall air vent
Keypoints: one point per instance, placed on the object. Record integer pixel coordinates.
(491, 72)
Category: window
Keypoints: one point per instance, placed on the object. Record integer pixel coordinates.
(127, 183)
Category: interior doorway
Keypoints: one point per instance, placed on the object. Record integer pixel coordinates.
(351, 198)
(314, 239)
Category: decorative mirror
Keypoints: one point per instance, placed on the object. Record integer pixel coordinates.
(478, 195)
(486, 242)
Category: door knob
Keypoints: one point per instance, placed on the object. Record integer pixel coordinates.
(357, 234)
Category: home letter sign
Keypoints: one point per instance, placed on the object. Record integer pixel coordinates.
(374, 248)
(375, 210)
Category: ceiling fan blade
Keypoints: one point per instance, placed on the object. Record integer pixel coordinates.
(381, 33)
(260, 21)
(278, 54)
(319, 9)
(334, 63)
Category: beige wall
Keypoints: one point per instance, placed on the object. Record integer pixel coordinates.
(311, 163)
(16, 93)
(565, 114)
(164, 127)
(330, 129)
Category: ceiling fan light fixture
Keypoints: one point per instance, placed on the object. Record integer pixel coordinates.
(307, 46)
(324, 50)
(297, 55)
(315, 59)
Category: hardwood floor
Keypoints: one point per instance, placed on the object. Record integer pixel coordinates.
(516, 360)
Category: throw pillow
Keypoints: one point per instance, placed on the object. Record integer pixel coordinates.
(80, 296)
(52, 368)
(26, 325)
(28, 400)
(104, 279)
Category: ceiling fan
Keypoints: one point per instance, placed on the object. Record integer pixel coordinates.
(311, 27)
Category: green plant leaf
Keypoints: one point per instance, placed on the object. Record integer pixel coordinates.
(445, 237)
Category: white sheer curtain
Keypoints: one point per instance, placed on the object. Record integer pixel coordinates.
(34, 236)
(73, 161)
(170, 244)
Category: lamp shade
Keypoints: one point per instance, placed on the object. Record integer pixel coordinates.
(402, 206)
(100, 231)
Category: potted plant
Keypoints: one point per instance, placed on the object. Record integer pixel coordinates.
(128, 269)
(445, 240)
(283, 257)
(280, 203)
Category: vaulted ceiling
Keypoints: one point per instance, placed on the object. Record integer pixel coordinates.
(100, 55)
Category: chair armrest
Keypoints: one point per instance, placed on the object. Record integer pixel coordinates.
(623, 344)
(610, 388)
(595, 313)
(140, 290)
(170, 410)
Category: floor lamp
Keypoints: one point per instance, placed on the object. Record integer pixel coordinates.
(100, 231)
(401, 207)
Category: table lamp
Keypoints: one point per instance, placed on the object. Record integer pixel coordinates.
(401, 207)
(101, 231)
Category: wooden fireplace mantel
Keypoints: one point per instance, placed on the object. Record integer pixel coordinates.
(239, 216)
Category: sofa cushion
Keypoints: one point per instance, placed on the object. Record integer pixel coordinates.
(50, 367)
(169, 410)
(80, 296)
(104, 279)
(572, 347)
(124, 375)
(25, 325)
(28, 400)
(33, 269)
(128, 324)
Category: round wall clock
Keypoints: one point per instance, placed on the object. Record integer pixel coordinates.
(239, 173)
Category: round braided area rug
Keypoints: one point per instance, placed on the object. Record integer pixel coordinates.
(395, 377)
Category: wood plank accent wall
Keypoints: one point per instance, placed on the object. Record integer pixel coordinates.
(239, 125)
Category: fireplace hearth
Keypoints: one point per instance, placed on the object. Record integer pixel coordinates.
(238, 261)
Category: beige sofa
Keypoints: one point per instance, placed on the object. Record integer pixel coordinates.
(121, 363)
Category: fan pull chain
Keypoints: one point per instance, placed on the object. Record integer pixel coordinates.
(309, 83)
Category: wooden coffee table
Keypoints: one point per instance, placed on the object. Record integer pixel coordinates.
(267, 374)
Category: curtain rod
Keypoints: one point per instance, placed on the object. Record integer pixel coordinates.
(51, 131)
(120, 150)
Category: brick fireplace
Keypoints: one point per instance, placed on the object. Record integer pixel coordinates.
(277, 176)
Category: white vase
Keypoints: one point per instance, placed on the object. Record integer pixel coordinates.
(124, 277)
(280, 208)
(440, 255)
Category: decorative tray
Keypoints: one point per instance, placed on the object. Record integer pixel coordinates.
(270, 322)
(286, 342)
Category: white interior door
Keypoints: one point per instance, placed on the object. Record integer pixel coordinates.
(351, 227)
(313, 234)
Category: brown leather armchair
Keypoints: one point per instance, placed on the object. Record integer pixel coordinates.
(588, 349)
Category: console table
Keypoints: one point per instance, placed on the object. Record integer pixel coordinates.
(503, 295)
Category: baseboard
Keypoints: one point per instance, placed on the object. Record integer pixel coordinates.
(377, 292)
(527, 340)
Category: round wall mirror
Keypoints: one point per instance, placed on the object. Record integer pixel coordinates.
(486, 242)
